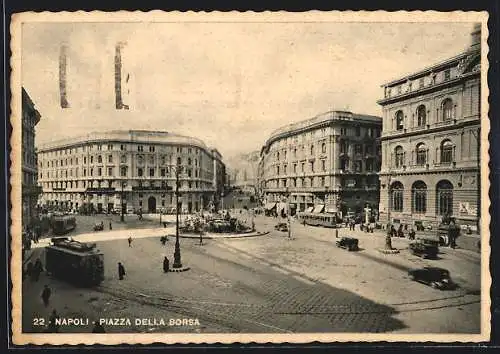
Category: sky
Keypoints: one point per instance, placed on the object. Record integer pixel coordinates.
(229, 84)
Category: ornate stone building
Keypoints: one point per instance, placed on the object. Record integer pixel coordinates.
(330, 162)
(30, 189)
(138, 165)
(431, 142)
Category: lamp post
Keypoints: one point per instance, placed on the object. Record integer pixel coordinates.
(122, 216)
(222, 201)
(288, 213)
(177, 251)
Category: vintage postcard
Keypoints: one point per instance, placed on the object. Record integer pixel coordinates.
(249, 177)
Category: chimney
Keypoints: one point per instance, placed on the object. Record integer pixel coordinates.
(475, 38)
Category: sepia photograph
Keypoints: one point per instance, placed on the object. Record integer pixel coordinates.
(249, 177)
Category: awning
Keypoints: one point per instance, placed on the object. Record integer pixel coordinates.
(269, 206)
(309, 210)
(330, 211)
(318, 208)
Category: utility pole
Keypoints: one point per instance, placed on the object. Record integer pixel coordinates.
(122, 217)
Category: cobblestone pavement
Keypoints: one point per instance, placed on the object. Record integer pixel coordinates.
(272, 284)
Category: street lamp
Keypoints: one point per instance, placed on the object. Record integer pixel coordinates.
(288, 213)
(177, 251)
(222, 201)
(122, 217)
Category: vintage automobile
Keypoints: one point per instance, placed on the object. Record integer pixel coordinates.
(425, 248)
(348, 243)
(99, 226)
(438, 278)
(282, 226)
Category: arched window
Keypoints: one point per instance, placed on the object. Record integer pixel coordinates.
(419, 197)
(123, 159)
(444, 198)
(399, 156)
(399, 120)
(421, 116)
(179, 161)
(278, 156)
(99, 159)
(447, 109)
(421, 154)
(323, 147)
(446, 151)
(397, 196)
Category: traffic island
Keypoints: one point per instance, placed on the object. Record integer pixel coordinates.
(178, 270)
(211, 236)
(388, 249)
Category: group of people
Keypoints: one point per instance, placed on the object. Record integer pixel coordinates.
(33, 271)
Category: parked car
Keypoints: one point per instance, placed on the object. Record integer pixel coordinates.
(348, 243)
(424, 248)
(438, 278)
(282, 226)
(99, 226)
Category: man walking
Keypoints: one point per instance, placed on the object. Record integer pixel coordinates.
(165, 265)
(110, 226)
(121, 270)
(46, 295)
(130, 241)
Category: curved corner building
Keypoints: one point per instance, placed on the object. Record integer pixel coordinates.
(135, 168)
(329, 162)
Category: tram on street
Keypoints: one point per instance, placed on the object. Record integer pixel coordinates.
(318, 219)
(75, 262)
(62, 224)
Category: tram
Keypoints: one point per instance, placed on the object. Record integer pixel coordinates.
(75, 262)
(62, 224)
(319, 219)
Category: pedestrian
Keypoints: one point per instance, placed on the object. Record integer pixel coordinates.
(37, 269)
(110, 226)
(98, 328)
(166, 264)
(121, 270)
(130, 241)
(46, 295)
(411, 235)
(53, 326)
(453, 232)
(29, 270)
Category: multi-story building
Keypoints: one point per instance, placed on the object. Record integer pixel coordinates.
(243, 173)
(430, 142)
(30, 189)
(136, 165)
(329, 162)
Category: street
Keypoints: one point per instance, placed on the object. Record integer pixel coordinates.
(267, 284)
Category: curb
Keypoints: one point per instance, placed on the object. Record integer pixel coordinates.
(384, 251)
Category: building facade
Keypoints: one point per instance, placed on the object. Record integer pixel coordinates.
(330, 161)
(30, 189)
(431, 143)
(134, 168)
(243, 172)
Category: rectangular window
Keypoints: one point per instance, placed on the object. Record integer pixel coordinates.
(99, 147)
(110, 147)
(139, 172)
(122, 147)
(151, 172)
(91, 159)
(312, 166)
(421, 82)
(110, 158)
(140, 148)
(303, 166)
(162, 172)
(358, 149)
(123, 171)
(110, 171)
(151, 149)
(358, 131)
(357, 166)
(99, 171)
(323, 165)
(294, 168)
